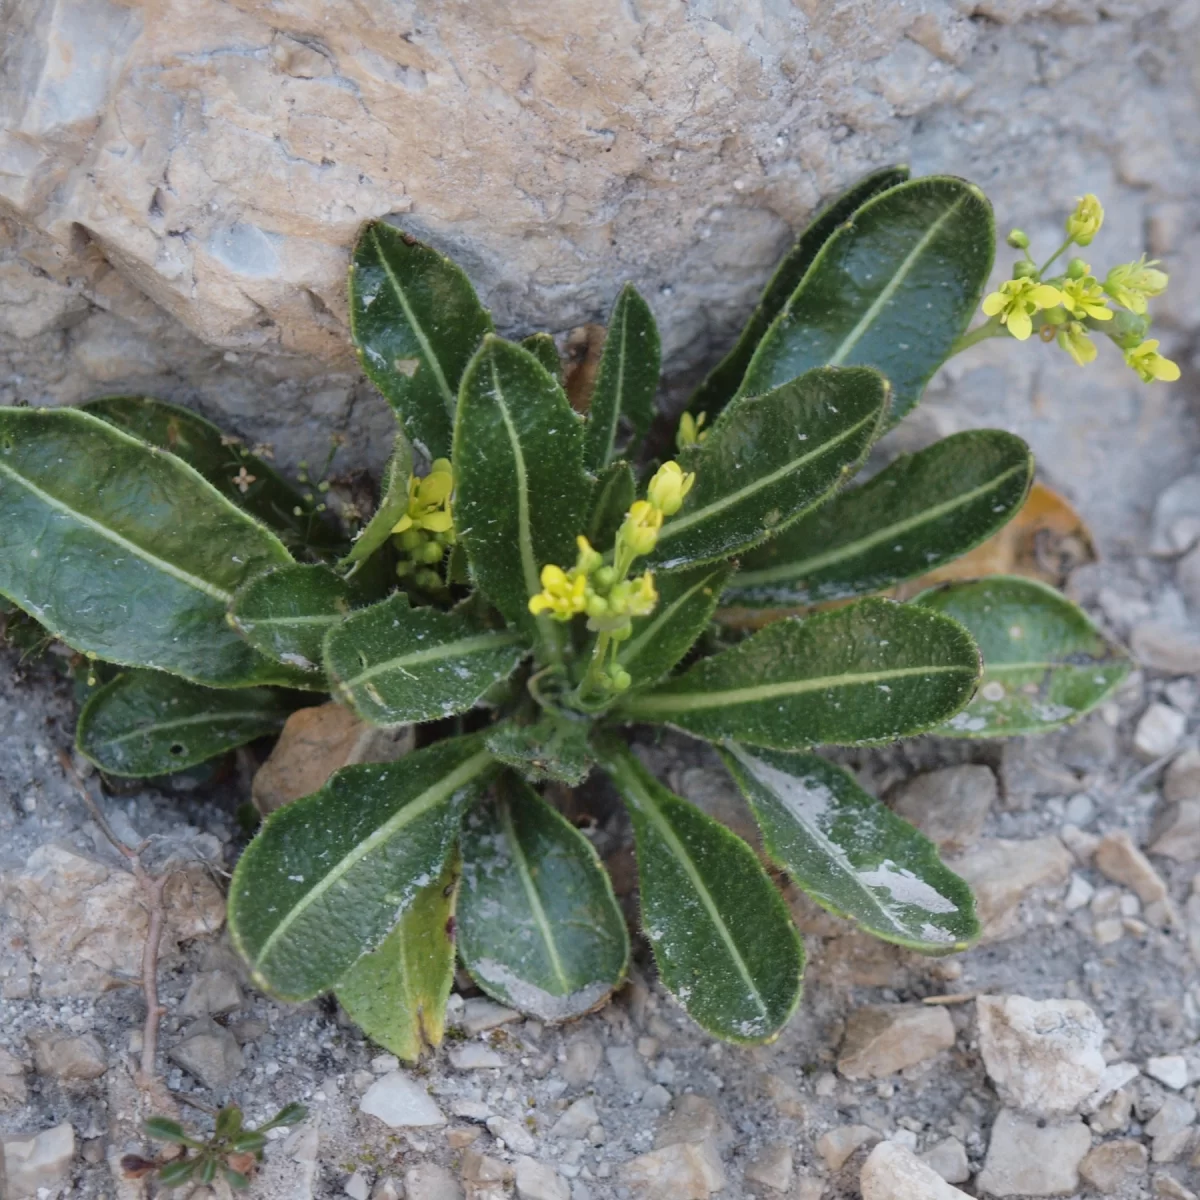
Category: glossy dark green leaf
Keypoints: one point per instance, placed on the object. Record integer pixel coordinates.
(686, 602)
(522, 492)
(722, 384)
(393, 663)
(125, 552)
(870, 672)
(397, 994)
(542, 347)
(893, 288)
(851, 853)
(538, 925)
(769, 459)
(163, 1129)
(722, 937)
(612, 495)
(286, 612)
(922, 511)
(392, 506)
(552, 747)
(328, 876)
(622, 405)
(145, 723)
(176, 1174)
(416, 321)
(260, 490)
(1044, 662)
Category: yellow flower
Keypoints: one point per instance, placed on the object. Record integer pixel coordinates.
(668, 488)
(640, 530)
(429, 504)
(1131, 283)
(588, 560)
(1085, 298)
(1149, 364)
(562, 595)
(691, 430)
(1075, 341)
(1017, 301)
(644, 595)
(1084, 223)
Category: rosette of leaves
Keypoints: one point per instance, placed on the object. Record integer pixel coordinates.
(373, 885)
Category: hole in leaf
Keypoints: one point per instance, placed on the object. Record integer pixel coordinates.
(177, 748)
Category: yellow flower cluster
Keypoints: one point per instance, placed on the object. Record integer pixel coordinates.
(426, 530)
(1069, 307)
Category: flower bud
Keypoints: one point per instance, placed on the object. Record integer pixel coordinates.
(1084, 223)
(1129, 329)
(1024, 269)
(431, 581)
(620, 679)
(1018, 239)
(1077, 268)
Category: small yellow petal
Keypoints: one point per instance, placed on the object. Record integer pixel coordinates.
(994, 303)
(1019, 324)
(404, 523)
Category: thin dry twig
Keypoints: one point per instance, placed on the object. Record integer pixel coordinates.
(152, 887)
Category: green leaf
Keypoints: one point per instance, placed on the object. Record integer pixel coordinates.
(328, 876)
(145, 723)
(722, 384)
(612, 496)
(625, 381)
(393, 663)
(220, 459)
(289, 1114)
(286, 612)
(416, 321)
(392, 506)
(873, 671)
(769, 459)
(538, 925)
(522, 492)
(722, 937)
(235, 1179)
(229, 1122)
(552, 747)
(851, 853)
(397, 994)
(176, 1174)
(163, 1129)
(686, 600)
(1044, 662)
(542, 347)
(922, 511)
(125, 552)
(252, 1142)
(893, 288)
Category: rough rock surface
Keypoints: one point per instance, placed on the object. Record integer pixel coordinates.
(1029, 1157)
(891, 1172)
(886, 1038)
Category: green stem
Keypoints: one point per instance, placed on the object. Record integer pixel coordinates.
(591, 679)
(989, 329)
(1045, 266)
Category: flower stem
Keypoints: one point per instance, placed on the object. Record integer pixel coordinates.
(989, 329)
(1045, 266)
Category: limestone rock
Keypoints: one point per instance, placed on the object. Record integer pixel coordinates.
(577, 1120)
(211, 993)
(1158, 731)
(85, 922)
(513, 1134)
(1122, 862)
(583, 1057)
(1166, 649)
(949, 1159)
(1114, 1168)
(1171, 1069)
(1176, 832)
(1001, 872)
(949, 805)
(313, 744)
(35, 1161)
(893, 1172)
(836, 1146)
(680, 1171)
(1029, 1157)
(400, 1101)
(474, 1056)
(430, 1181)
(885, 1038)
(65, 1057)
(13, 1091)
(694, 1119)
(1181, 781)
(538, 1181)
(480, 1014)
(1044, 1056)
(772, 1167)
(210, 1053)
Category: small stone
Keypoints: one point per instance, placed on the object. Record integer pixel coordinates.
(211, 993)
(514, 1135)
(1181, 781)
(1001, 872)
(482, 1168)
(1176, 831)
(1166, 1188)
(785, 1096)
(1161, 647)
(655, 1096)
(1158, 732)
(471, 1110)
(949, 1159)
(32, 1161)
(681, 1171)
(836, 1146)
(537, 1181)
(388, 1189)
(1114, 1167)
(1044, 1056)
(1175, 1114)
(1029, 1157)
(629, 1068)
(461, 1136)
(772, 1167)
(1121, 861)
(893, 1172)
(1079, 894)
(400, 1102)
(1108, 930)
(68, 1057)
(385, 1064)
(694, 1119)
(1080, 810)
(1116, 1076)
(357, 1187)
(1170, 1146)
(475, 1056)
(479, 1015)
(576, 1121)
(882, 1039)
(13, 1092)
(1171, 1069)
(582, 1060)
(210, 1053)
(1114, 1115)
(428, 1181)
(949, 806)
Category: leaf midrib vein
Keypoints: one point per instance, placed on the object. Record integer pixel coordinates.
(185, 722)
(456, 649)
